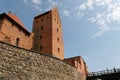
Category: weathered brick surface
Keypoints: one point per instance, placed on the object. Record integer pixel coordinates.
(79, 63)
(51, 34)
(9, 32)
(20, 64)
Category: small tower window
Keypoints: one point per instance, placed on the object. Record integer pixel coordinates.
(40, 37)
(54, 19)
(58, 49)
(19, 30)
(41, 19)
(57, 30)
(41, 27)
(47, 17)
(36, 21)
(58, 39)
(12, 24)
(17, 41)
(41, 47)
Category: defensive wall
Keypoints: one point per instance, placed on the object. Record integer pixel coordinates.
(20, 64)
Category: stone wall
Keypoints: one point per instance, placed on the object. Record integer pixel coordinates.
(21, 64)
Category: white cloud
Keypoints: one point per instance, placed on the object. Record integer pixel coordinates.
(99, 19)
(66, 13)
(116, 14)
(83, 7)
(103, 29)
(50, 1)
(88, 4)
(79, 14)
(91, 4)
(54, 3)
(37, 2)
(40, 5)
(36, 7)
(101, 12)
(106, 12)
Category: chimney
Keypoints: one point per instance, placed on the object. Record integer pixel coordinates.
(9, 12)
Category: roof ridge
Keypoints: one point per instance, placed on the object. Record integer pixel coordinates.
(17, 20)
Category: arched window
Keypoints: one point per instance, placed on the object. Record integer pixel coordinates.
(17, 41)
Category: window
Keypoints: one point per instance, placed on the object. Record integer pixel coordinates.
(12, 24)
(40, 37)
(57, 30)
(54, 19)
(25, 34)
(47, 17)
(41, 19)
(41, 27)
(41, 47)
(36, 21)
(58, 39)
(58, 49)
(17, 41)
(19, 30)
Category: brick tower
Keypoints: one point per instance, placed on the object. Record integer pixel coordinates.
(47, 29)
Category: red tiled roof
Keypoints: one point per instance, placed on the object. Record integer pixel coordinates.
(17, 20)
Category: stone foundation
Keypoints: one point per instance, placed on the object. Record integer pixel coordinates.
(21, 64)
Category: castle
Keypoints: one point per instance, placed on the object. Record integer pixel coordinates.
(46, 36)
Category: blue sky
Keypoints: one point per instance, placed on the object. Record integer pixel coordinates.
(91, 28)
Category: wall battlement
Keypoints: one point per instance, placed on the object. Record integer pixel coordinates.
(21, 64)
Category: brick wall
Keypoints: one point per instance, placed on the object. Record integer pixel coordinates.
(21, 64)
(79, 63)
(48, 34)
(9, 32)
(57, 39)
(42, 30)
